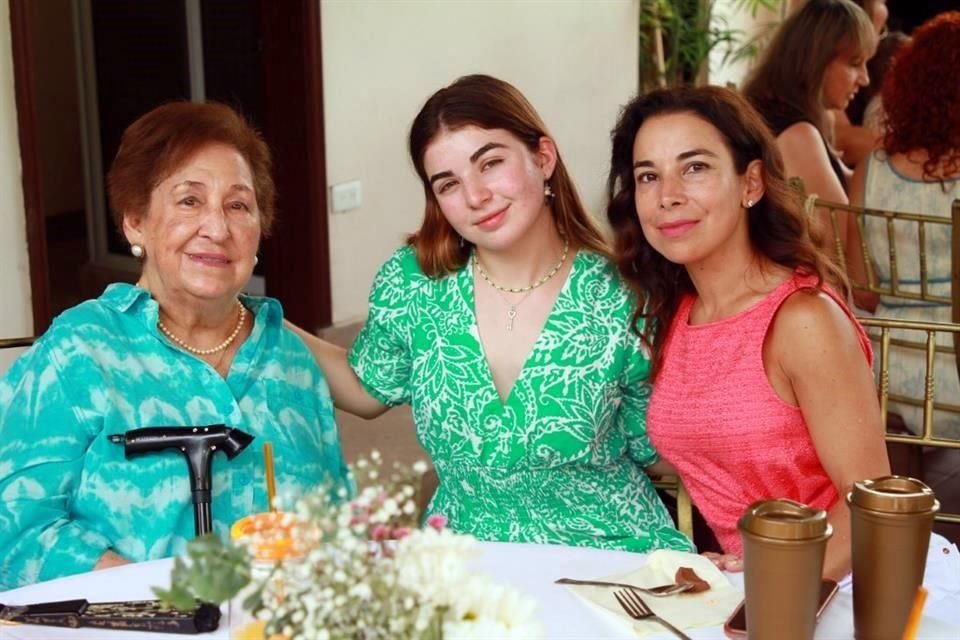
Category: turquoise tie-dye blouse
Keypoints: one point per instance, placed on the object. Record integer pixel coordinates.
(67, 494)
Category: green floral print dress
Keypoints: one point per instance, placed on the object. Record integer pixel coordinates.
(562, 460)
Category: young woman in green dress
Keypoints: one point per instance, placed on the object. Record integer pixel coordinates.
(505, 326)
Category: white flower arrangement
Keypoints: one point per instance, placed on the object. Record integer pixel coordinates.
(361, 569)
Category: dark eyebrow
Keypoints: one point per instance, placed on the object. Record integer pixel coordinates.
(188, 183)
(696, 152)
(440, 176)
(487, 147)
(473, 158)
(682, 156)
(193, 183)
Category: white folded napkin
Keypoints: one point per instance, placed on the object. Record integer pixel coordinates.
(685, 610)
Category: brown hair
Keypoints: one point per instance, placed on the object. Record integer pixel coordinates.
(488, 103)
(888, 48)
(868, 6)
(921, 96)
(167, 136)
(790, 72)
(777, 226)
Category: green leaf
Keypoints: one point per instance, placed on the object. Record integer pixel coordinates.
(216, 572)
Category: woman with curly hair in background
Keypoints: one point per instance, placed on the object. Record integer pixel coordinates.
(916, 169)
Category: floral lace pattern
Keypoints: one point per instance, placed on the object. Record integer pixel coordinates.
(561, 460)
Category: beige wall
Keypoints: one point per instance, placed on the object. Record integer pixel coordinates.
(15, 312)
(574, 59)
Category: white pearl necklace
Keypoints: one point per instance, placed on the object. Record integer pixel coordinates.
(206, 352)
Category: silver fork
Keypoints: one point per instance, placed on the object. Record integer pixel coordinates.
(638, 610)
(657, 592)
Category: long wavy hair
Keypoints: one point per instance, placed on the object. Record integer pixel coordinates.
(488, 103)
(921, 96)
(789, 76)
(777, 227)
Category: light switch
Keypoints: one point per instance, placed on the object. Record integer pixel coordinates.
(346, 196)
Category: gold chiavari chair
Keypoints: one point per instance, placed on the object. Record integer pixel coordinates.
(906, 235)
(916, 253)
(673, 486)
(903, 242)
(926, 437)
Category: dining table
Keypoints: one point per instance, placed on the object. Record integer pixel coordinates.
(531, 568)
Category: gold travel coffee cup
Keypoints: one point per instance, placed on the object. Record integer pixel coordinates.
(783, 546)
(891, 519)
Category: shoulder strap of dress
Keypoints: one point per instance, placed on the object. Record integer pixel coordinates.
(807, 282)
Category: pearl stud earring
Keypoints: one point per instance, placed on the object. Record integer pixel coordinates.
(137, 251)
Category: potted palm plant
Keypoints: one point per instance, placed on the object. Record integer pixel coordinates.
(677, 37)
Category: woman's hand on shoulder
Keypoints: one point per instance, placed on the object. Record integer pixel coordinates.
(346, 389)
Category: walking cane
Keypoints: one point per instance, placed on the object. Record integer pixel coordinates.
(198, 444)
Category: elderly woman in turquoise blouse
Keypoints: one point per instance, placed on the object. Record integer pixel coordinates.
(192, 192)
(505, 326)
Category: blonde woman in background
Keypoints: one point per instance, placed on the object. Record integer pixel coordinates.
(815, 62)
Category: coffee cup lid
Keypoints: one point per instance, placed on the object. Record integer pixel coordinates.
(784, 519)
(893, 494)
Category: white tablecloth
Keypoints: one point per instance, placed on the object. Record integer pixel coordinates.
(531, 568)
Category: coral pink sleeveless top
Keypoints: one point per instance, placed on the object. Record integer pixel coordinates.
(714, 416)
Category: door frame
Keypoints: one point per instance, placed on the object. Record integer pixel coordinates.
(30, 166)
(298, 250)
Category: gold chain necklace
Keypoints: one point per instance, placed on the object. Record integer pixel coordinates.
(206, 352)
(529, 287)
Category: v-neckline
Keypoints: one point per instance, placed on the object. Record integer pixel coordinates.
(469, 297)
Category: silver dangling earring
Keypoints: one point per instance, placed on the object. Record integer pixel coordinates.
(137, 251)
(256, 260)
(462, 243)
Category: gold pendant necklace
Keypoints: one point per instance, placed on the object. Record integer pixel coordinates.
(512, 311)
(528, 290)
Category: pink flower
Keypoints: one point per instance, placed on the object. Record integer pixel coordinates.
(400, 532)
(379, 532)
(437, 521)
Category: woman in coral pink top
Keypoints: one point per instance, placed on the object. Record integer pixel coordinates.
(762, 379)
